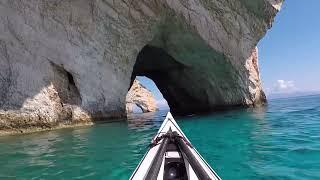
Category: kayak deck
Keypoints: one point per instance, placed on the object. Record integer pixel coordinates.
(171, 156)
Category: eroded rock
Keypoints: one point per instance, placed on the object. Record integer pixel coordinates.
(74, 60)
(142, 97)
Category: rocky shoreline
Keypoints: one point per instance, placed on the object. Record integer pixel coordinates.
(47, 127)
(18, 122)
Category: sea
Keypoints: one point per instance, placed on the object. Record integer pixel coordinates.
(280, 141)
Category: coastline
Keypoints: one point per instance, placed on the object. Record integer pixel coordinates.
(15, 123)
(14, 131)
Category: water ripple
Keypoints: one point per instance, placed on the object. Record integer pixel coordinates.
(277, 142)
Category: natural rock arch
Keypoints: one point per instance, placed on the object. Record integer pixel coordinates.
(196, 82)
(207, 47)
(141, 97)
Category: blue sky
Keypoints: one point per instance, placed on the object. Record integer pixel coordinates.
(289, 53)
(161, 102)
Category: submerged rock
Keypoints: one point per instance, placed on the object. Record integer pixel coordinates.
(73, 61)
(142, 97)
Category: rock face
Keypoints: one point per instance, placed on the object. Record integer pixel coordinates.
(142, 97)
(72, 61)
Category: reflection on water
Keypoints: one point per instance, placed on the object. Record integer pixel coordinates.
(280, 141)
(258, 112)
(142, 121)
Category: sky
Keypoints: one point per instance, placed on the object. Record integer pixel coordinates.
(149, 84)
(289, 58)
(289, 53)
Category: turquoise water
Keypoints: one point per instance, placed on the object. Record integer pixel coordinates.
(281, 141)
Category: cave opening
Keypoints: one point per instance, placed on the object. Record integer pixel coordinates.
(182, 86)
(155, 66)
(66, 86)
(70, 79)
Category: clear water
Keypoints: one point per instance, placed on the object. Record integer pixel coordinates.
(281, 141)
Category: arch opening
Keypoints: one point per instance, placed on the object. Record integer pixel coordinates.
(193, 76)
(136, 109)
(169, 75)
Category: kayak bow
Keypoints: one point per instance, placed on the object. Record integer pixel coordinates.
(172, 157)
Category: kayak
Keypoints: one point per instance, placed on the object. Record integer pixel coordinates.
(171, 156)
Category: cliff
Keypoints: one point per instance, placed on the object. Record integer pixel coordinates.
(73, 61)
(142, 97)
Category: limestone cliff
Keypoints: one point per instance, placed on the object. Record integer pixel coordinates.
(142, 97)
(72, 61)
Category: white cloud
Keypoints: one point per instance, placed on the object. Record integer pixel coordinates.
(283, 86)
